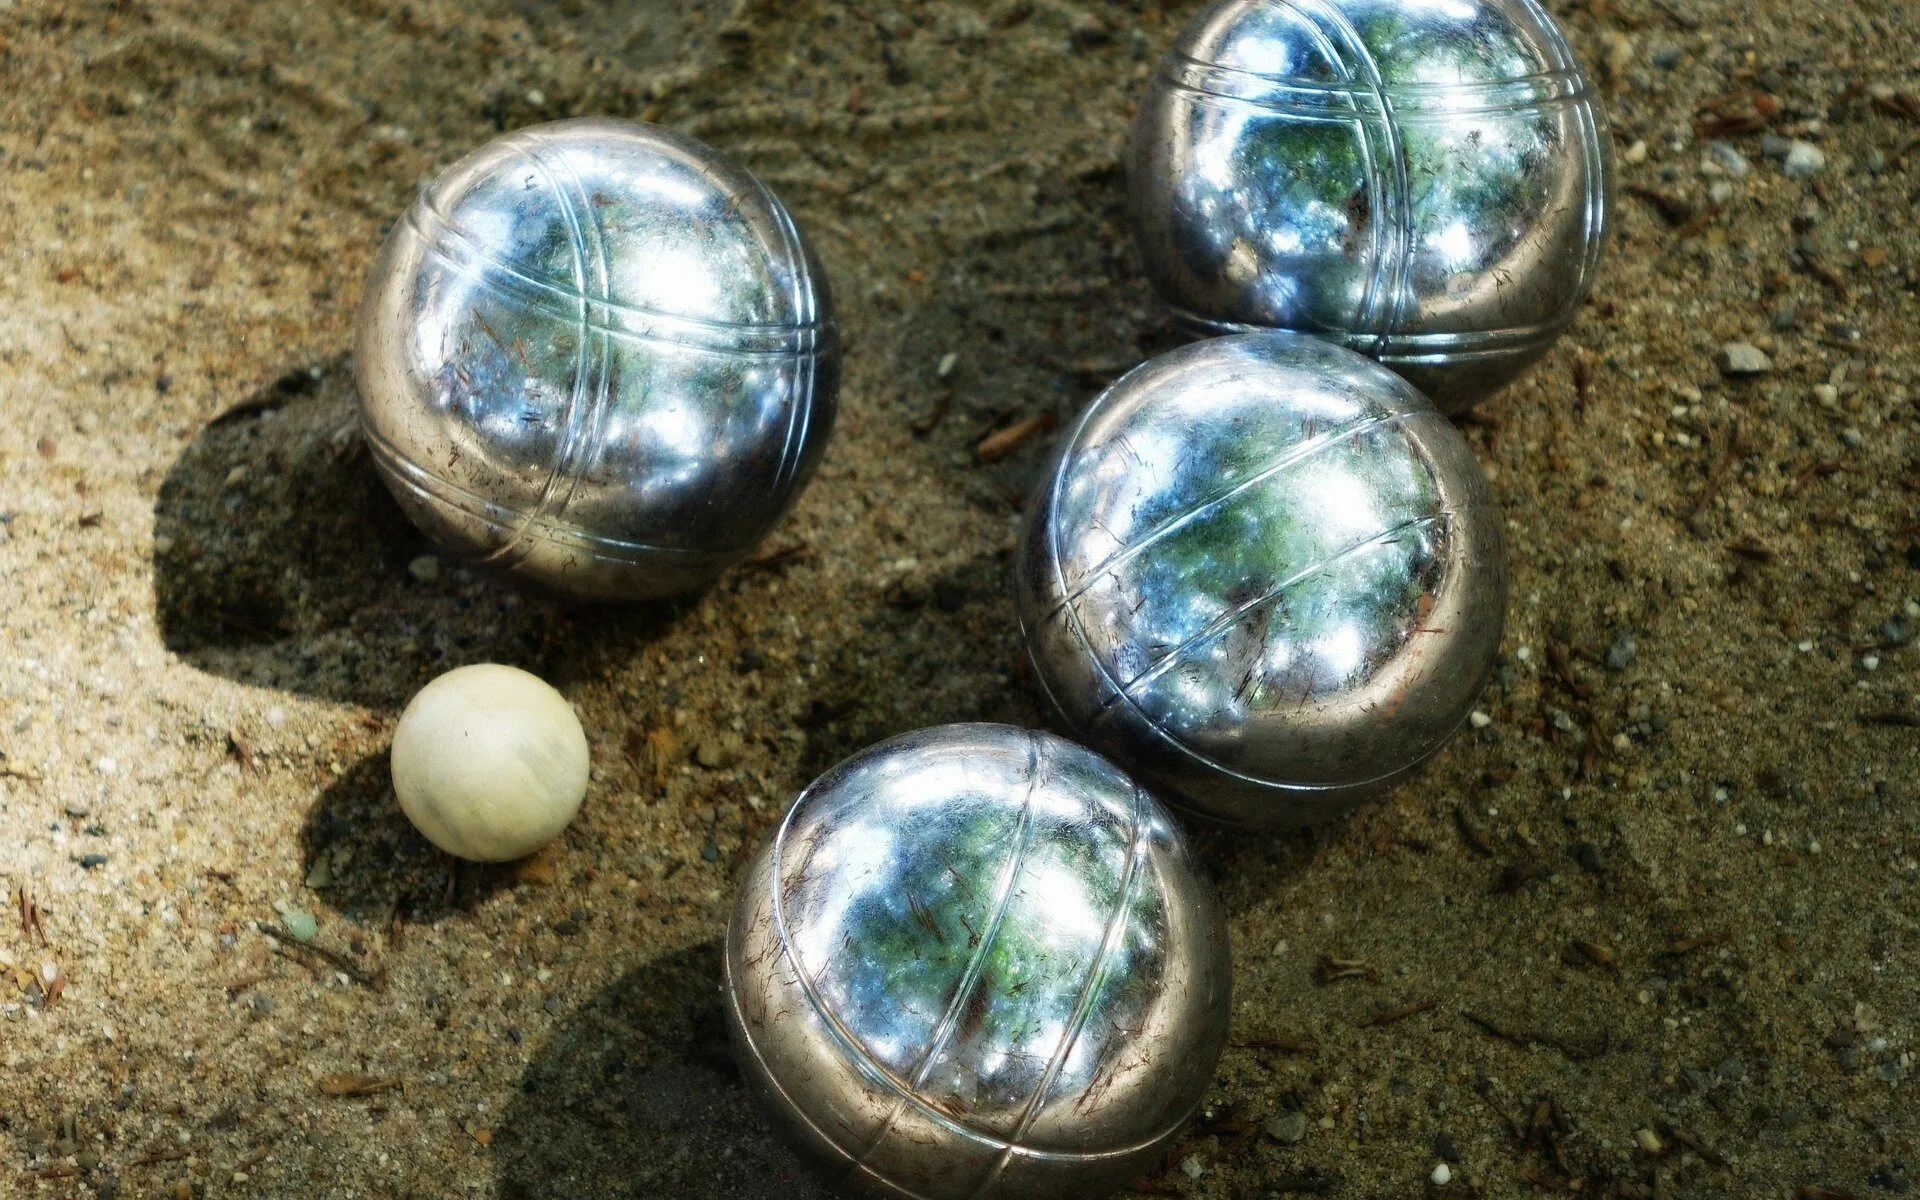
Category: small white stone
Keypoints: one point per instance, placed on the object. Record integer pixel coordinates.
(1722, 159)
(1524, 654)
(1743, 358)
(1871, 662)
(489, 762)
(1442, 1175)
(1480, 720)
(1804, 159)
(1635, 154)
(106, 765)
(425, 569)
(237, 476)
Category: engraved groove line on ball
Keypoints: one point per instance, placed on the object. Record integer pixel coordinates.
(1311, 99)
(436, 225)
(857, 1054)
(1392, 198)
(976, 963)
(1233, 616)
(1284, 461)
(435, 487)
(1089, 991)
(1408, 347)
(805, 310)
(793, 1107)
(1593, 172)
(1108, 707)
(511, 549)
(585, 427)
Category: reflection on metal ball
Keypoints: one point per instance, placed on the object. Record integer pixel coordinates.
(599, 356)
(978, 962)
(1265, 576)
(1427, 183)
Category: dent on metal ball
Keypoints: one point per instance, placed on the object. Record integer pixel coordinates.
(1426, 183)
(599, 356)
(1265, 576)
(978, 962)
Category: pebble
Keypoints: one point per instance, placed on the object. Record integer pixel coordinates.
(1622, 653)
(1288, 1127)
(1667, 57)
(78, 808)
(1773, 146)
(89, 861)
(1649, 1141)
(1743, 358)
(1480, 720)
(1086, 29)
(425, 569)
(300, 924)
(1722, 159)
(1442, 1175)
(1804, 160)
(1720, 191)
(1636, 153)
(260, 1004)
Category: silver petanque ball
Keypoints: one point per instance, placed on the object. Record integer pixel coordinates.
(978, 963)
(1265, 576)
(599, 356)
(1428, 182)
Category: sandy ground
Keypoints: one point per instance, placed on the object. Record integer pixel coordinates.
(1651, 931)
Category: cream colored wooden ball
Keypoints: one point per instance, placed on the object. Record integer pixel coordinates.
(489, 762)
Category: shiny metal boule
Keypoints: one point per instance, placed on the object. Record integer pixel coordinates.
(599, 356)
(1428, 183)
(978, 962)
(1265, 576)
